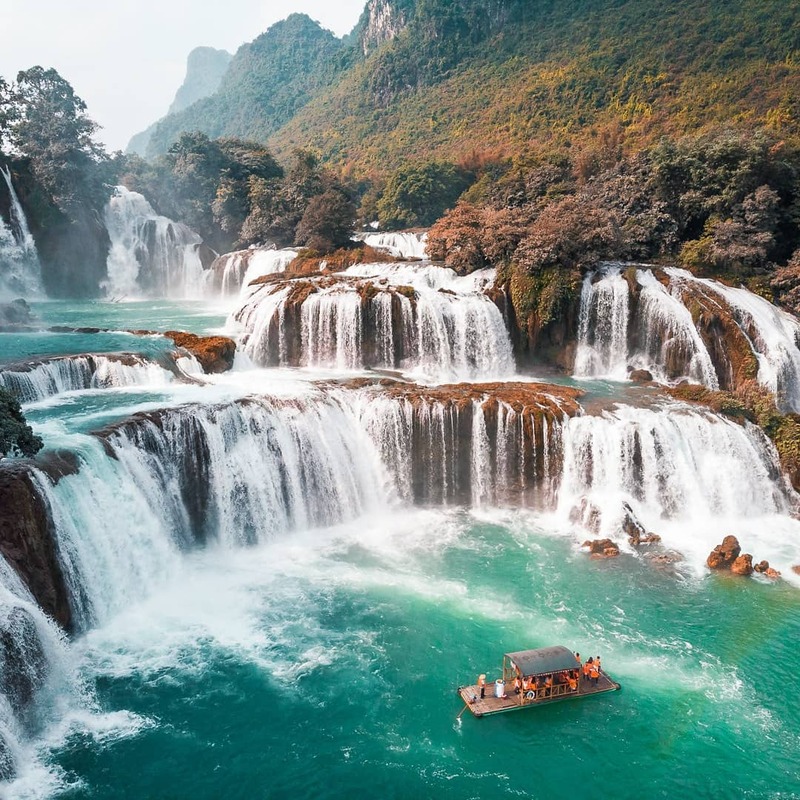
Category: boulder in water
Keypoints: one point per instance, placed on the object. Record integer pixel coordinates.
(641, 376)
(215, 353)
(724, 555)
(602, 548)
(743, 565)
(15, 315)
(763, 568)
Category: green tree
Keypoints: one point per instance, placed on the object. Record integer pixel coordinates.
(43, 119)
(416, 196)
(16, 436)
(328, 222)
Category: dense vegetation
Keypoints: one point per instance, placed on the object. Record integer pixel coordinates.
(45, 128)
(727, 205)
(504, 78)
(16, 436)
(233, 193)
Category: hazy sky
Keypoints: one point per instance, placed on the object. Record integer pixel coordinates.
(126, 58)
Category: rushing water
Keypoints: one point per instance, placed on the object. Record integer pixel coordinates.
(659, 333)
(20, 271)
(150, 256)
(280, 580)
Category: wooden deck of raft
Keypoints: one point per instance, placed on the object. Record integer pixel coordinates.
(513, 702)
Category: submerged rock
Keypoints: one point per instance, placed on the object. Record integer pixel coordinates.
(724, 555)
(215, 353)
(602, 548)
(16, 315)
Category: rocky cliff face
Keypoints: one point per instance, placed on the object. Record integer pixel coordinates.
(27, 542)
(382, 21)
(204, 70)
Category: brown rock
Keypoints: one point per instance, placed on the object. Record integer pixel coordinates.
(27, 542)
(762, 566)
(215, 353)
(743, 565)
(723, 555)
(796, 569)
(602, 548)
(641, 376)
(772, 573)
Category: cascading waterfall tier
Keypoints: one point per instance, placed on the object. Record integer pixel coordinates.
(391, 316)
(400, 244)
(33, 381)
(231, 274)
(20, 270)
(150, 255)
(249, 470)
(679, 327)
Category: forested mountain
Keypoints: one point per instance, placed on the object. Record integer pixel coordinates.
(266, 83)
(448, 79)
(204, 70)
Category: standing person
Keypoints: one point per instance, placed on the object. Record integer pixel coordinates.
(578, 658)
(482, 684)
(597, 663)
(594, 673)
(517, 684)
(587, 667)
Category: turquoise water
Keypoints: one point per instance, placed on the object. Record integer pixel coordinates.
(115, 318)
(326, 666)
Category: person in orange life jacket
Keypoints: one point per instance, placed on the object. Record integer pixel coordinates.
(597, 663)
(517, 684)
(594, 674)
(587, 667)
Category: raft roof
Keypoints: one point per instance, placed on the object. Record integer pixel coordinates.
(543, 660)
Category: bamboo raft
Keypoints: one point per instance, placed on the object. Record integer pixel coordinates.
(545, 662)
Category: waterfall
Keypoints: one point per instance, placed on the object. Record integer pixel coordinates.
(426, 321)
(36, 381)
(231, 274)
(773, 334)
(150, 255)
(685, 472)
(669, 343)
(403, 244)
(649, 325)
(34, 669)
(603, 325)
(20, 270)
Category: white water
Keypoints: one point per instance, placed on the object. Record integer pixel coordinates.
(35, 671)
(773, 334)
(150, 255)
(20, 270)
(402, 244)
(231, 274)
(447, 329)
(689, 476)
(662, 337)
(75, 373)
(603, 326)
